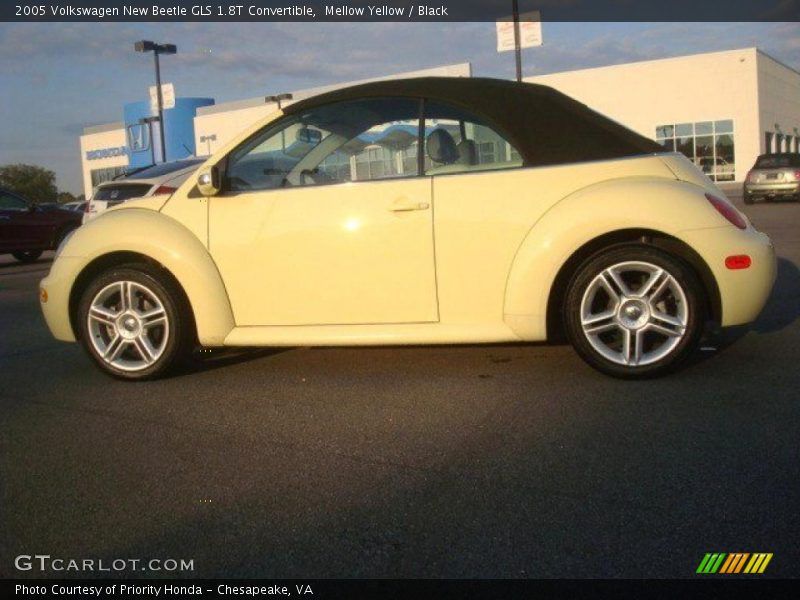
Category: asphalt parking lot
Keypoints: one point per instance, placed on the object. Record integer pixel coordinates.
(458, 461)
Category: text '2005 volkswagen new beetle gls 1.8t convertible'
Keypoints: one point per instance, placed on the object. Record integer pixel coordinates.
(419, 211)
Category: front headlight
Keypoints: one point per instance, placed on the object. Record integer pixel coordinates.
(64, 243)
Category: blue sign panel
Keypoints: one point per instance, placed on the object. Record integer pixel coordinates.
(143, 135)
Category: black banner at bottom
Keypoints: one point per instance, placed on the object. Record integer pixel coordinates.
(395, 589)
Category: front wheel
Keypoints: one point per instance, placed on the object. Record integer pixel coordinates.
(634, 311)
(27, 256)
(134, 322)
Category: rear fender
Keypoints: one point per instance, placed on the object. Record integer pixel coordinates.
(642, 203)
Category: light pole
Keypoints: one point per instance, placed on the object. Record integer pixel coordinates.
(156, 49)
(517, 43)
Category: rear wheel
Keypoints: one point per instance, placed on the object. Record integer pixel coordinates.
(135, 323)
(27, 256)
(634, 311)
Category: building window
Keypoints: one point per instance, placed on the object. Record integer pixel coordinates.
(99, 176)
(708, 144)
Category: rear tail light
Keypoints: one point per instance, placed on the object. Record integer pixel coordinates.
(740, 261)
(726, 210)
(749, 178)
(164, 189)
(797, 175)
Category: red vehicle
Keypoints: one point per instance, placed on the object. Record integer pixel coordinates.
(28, 229)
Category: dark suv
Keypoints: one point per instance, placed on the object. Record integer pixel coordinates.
(773, 176)
(28, 229)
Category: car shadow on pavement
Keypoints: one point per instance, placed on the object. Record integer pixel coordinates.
(781, 310)
(208, 359)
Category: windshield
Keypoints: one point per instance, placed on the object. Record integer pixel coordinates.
(777, 161)
(164, 169)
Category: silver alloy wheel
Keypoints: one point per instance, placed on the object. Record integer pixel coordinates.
(634, 313)
(128, 325)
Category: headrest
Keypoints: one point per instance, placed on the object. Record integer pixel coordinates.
(467, 152)
(441, 147)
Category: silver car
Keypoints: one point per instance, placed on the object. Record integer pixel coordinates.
(773, 176)
(163, 178)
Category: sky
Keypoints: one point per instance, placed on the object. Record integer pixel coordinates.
(57, 78)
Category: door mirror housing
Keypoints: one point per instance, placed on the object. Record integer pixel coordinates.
(209, 181)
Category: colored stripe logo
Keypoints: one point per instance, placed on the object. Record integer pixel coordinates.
(734, 563)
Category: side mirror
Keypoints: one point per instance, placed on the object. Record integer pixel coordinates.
(208, 181)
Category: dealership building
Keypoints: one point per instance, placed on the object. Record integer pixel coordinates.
(721, 109)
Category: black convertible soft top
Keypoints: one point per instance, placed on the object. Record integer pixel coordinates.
(544, 125)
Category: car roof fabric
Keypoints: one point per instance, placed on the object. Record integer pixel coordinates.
(544, 125)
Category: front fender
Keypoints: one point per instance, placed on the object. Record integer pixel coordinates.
(166, 241)
(656, 204)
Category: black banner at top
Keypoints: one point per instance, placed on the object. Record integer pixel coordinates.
(396, 10)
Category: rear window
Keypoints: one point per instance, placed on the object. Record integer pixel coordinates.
(777, 161)
(122, 192)
(163, 169)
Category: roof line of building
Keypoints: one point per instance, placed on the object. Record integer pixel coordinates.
(103, 127)
(652, 60)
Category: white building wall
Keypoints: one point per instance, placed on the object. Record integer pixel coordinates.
(113, 137)
(686, 89)
(779, 102)
(212, 131)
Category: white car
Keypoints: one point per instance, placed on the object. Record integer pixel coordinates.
(163, 178)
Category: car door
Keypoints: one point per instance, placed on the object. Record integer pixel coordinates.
(324, 220)
(17, 232)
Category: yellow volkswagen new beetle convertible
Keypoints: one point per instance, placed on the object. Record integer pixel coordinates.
(424, 211)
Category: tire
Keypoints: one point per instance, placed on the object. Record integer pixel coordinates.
(634, 311)
(748, 200)
(145, 336)
(27, 256)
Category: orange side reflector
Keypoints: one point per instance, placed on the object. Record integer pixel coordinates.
(740, 261)
(43, 295)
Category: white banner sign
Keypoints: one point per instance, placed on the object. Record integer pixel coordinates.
(530, 31)
(167, 97)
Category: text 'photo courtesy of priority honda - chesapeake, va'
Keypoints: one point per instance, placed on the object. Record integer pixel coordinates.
(337, 299)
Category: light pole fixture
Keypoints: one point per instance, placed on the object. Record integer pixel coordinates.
(157, 49)
(277, 99)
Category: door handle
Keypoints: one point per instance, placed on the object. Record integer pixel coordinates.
(406, 205)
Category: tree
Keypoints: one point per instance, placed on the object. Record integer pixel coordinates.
(64, 197)
(35, 183)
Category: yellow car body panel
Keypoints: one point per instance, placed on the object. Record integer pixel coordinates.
(156, 236)
(347, 254)
(444, 259)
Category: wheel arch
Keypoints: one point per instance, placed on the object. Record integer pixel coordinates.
(610, 212)
(138, 235)
(108, 261)
(646, 237)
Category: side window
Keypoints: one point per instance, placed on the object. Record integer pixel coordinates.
(458, 142)
(9, 202)
(359, 140)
